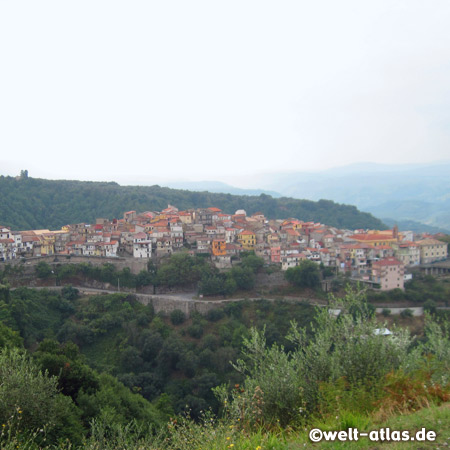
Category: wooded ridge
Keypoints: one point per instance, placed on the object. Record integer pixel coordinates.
(33, 203)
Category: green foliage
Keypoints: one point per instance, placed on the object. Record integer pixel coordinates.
(182, 269)
(5, 293)
(430, 307)
(177, 317)
(33, 397)
(272, 391)
(213, 284)
(69, 292)
(213, 315)
(337, 370)
(43, 270)
(106, 273)
(9, 338)
(285, 386)
(65, 363)
(306, 274)
(34, 203)
(195, 331)
(243, 277)
(119, 404)
(250, 260)
(406, 313)
(36, 314)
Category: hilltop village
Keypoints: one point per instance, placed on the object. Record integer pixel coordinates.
(379, 257)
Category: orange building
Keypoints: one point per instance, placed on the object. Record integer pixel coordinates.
(219, 247)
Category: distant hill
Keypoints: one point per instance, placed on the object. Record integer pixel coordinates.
(218, 187)
(407, 192)
(33, 203)
(411, 225)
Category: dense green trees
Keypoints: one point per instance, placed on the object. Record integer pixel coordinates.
(337, 367)
(182, 269)
(32, 203)
(118, 335)
(239, 277)
(307, 274)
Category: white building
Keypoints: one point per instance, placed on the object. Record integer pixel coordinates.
(142, 246)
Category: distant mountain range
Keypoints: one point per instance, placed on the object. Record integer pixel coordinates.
(218, 187)
(414, 195)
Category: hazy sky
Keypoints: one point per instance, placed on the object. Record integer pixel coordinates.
(152, 90)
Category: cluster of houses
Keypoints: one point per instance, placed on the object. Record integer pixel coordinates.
(374, 256)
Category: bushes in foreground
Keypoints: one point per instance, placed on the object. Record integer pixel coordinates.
(345, 375)
(347, 365)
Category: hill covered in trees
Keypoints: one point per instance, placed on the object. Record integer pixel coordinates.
(33, 203)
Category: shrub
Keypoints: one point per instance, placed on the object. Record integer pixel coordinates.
(406, 313)
(43, 270)
(69, 292)
(307, 274)
(213, 315)
(177, 317)
(195, 331)
(430, 306)
(32, 399)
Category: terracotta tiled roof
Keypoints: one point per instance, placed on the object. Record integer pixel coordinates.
(371, 237)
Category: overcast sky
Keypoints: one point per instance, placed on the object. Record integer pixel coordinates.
(151, 90)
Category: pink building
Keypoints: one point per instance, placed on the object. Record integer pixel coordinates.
(388, 273)
(275, 254)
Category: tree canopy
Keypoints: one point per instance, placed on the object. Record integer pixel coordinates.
(33, 203)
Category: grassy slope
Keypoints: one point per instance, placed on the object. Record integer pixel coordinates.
(226, 436)
(436, 418)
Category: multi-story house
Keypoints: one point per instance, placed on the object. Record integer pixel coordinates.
(292, 260)
(263, 251)
(142, 246)
(185, 217)
(5, 233)
(247, 239)
(18, 244)
(407, 252)
(388, 273)
(7, 249)
(109, 249)
(219, 247)
(275, 255)
(164, 246)
(204, 244)
(230, 234)
(75, 248)
(325, 257)
(204, 217)
(129, 216)
(432, 250)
